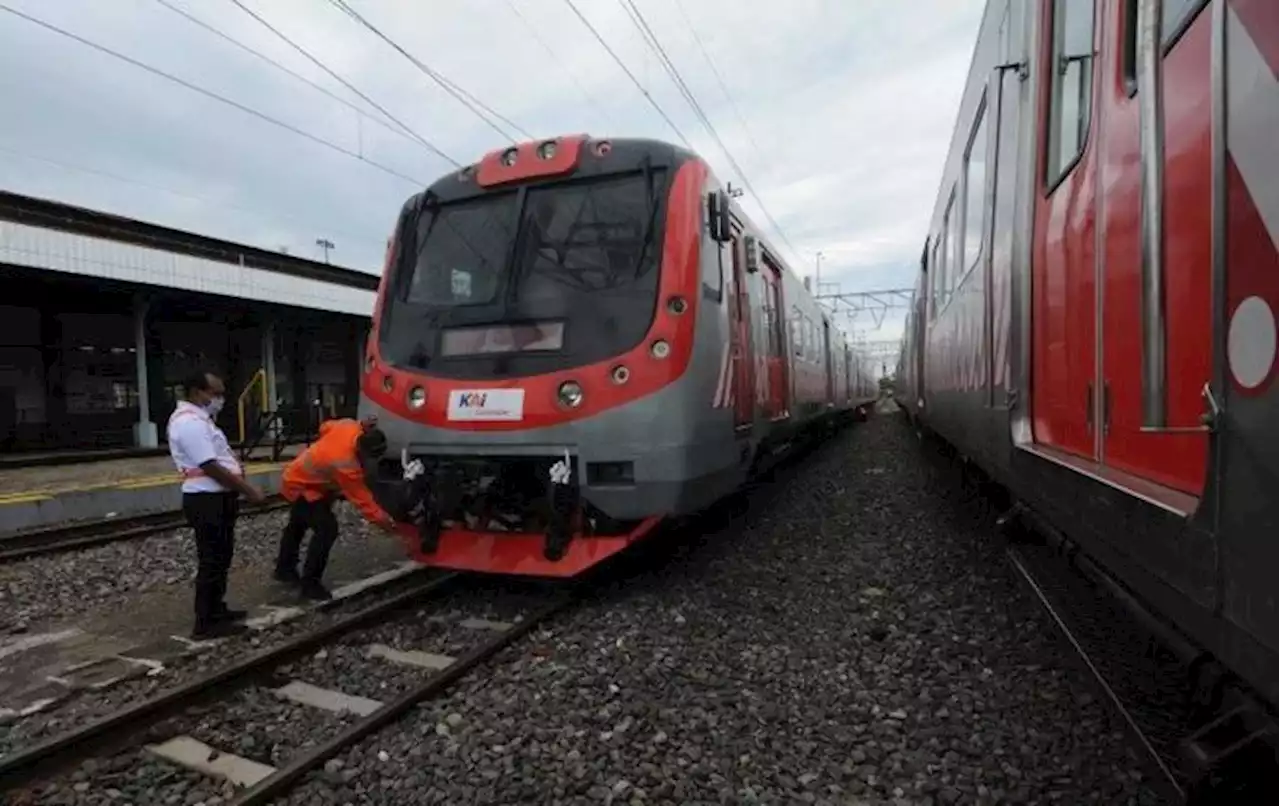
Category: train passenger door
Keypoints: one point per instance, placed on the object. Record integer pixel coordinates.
(742, 364)
(1176, 454)
(775, 352)
(826, 353)
(1064, 285)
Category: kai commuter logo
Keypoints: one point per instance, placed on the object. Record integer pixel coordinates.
(491, 405)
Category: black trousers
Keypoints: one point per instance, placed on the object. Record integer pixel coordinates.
(212, 516)
(319, 518)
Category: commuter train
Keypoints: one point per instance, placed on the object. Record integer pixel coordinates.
(1094, 316)
(578, 338)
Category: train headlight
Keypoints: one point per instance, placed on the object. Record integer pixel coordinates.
(417, 397)
(388, 383)
(677, 305)
(620, 375)
(570, 394)
(660, 349)
(547, 150)
(509, 157)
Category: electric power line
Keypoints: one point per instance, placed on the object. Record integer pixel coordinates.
(551, 52)
(408, 131)
(652, 40)
(71, 166)
(260, 55)
(211, 94)
(719, 79)
(465, 98)
(630, 75)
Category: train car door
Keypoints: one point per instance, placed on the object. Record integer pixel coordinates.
(826, 352)
(775, 348)
(742, 364)
(1063, 283)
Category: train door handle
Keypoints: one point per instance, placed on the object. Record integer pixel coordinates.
(1088, 407)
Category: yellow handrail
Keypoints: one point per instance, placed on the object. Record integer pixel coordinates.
(259, 376)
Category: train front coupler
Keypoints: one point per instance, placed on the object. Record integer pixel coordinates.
(423, 503)
(563, 499)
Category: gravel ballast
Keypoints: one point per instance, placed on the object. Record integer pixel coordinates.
(855, 638)
(100, 579)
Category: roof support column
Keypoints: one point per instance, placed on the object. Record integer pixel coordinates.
(144, 431)
(269, 371)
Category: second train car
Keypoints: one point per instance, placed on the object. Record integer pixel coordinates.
(1095, 321)
(580, 337)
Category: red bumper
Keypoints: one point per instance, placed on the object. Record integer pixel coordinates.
(519, 554)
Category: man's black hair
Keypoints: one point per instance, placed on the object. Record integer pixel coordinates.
(198, 381)
(373, 442)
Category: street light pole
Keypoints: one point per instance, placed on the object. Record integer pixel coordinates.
(326, 245)
(817, 273)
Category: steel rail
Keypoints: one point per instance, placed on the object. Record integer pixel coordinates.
(86, 534)
(55, 753)
(285, 778)
(1167, 780)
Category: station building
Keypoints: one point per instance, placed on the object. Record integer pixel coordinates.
(102, 316)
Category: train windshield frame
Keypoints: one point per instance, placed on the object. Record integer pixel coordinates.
(576, 264)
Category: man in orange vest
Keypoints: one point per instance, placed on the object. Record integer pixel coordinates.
(335, 464)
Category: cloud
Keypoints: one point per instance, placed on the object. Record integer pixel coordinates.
(849, 109)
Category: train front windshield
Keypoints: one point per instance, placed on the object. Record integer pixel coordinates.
(524, 282)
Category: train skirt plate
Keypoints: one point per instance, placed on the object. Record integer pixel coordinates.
(519, 553)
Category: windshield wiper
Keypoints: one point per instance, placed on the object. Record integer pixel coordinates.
(653, 215)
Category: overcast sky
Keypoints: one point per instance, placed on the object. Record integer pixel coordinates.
(839, 111)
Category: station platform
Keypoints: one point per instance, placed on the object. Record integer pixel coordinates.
(36, 497)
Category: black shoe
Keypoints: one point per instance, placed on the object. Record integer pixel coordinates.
(315, 591)
(289, 577)
(230, 615)
(217, 629)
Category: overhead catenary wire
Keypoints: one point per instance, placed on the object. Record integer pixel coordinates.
(71, 166)
(618, 60)
(590, 99)
(477, 107)
(212, 95)
(403, 126)
(285, 69)
(719, 79)
(652, 40)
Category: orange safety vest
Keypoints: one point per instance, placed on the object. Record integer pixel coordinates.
(330, 467)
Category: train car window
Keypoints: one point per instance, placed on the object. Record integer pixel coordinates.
(935, 271)
(1176, 17)
(1071, 83)
(975, 190)
(952, 244)
(469, 244)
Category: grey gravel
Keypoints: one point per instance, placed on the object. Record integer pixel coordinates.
(346, 667)
(130, 778)
(856, 638)
(100, 578)
(85, 706)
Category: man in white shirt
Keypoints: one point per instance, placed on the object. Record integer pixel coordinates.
(212, 481)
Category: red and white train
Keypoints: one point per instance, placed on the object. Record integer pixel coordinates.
(1095, 314)
(581, 337)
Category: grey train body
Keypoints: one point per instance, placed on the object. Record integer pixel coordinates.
(1209, 573)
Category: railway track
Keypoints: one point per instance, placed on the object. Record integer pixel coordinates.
(167, 728)
(85, 534)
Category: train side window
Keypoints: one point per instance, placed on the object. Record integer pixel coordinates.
(1071, 83)
(1175, 18)
(975, 191)
(935, 272)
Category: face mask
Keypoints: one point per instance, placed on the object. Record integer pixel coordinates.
(214, 406)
